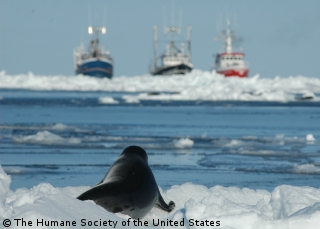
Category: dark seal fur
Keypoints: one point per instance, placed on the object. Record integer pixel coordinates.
(129, 186)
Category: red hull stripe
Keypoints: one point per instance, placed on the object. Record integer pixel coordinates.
(239, 73)
(231, 53)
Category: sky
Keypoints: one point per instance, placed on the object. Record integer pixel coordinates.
(279, 38)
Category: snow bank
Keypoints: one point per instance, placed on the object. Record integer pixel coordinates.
(286, 207)
(197, 85)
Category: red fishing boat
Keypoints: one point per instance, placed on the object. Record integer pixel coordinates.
(230, 63)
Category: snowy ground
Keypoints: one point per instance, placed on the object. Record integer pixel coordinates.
(285, 207)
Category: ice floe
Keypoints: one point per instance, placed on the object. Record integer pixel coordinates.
(197, 85)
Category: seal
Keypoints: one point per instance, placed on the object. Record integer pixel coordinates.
(129, 186)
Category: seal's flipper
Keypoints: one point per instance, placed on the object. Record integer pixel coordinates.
(163, 205)
(100, 191)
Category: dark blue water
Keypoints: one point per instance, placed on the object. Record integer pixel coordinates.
(71, 139)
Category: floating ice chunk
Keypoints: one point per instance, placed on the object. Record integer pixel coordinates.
(279, 136)
(183, 143)
(59, 126)
(63, 127)
(310, 138)
(234, 142)
(306, 169)
(131, 99)
(46, 138)
(108, 100)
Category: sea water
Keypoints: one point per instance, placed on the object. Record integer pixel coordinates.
(71, 139)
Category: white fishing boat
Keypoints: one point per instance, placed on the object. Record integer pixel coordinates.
(175, 60)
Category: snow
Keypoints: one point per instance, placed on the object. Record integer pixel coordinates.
(286, 207)
(197, 85)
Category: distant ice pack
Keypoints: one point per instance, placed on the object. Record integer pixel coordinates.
(197, 85)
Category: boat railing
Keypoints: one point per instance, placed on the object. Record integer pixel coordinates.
(174, 60)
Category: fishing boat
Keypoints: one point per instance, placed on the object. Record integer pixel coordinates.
(96, 61)
(230, 63)
(174, 60)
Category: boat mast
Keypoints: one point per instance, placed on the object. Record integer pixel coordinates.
(228, 38)
(172, 30)
(155, 40)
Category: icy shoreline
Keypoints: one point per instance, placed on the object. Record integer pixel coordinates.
(197, 85)
(285, 207)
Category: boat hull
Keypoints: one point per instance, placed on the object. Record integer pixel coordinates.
(242, 73)
(173, 70)
(96, 68)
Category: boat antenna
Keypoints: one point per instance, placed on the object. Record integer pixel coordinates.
(218, 26)
(104, 22)
(105, 15)
(189, 42)
(164, 18)
(180, 18)
(89, 16)
(172, 29)
(235, 22)
(172, 12)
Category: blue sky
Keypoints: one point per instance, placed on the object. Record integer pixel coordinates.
(280, 38)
